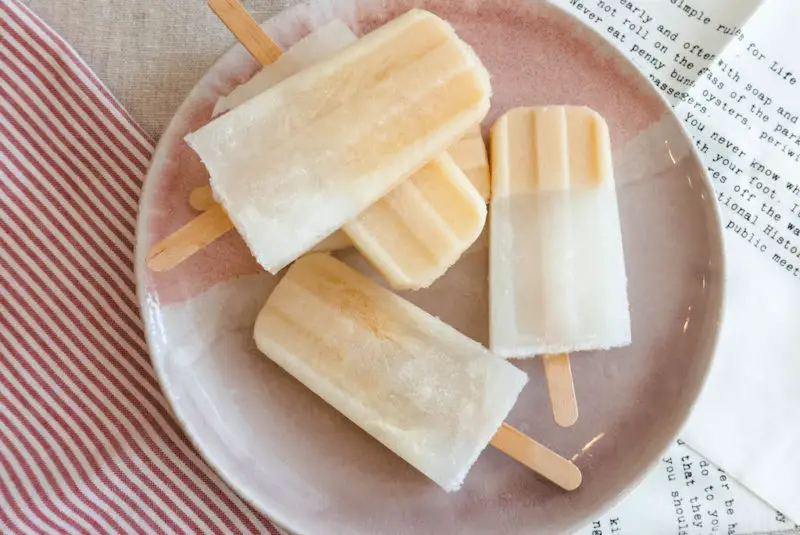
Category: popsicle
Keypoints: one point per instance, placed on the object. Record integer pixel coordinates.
(298, 161)
(433, 396)
(417, 231)
(557, 267)
(469, 153)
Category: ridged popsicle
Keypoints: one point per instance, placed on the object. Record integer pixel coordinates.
(427, 392)
(557, 267)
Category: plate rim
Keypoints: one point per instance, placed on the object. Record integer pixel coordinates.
(716, 314)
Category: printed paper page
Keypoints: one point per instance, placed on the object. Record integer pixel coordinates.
(671, 41)
(729, 70)
(747, 417)
(745, 126)
(687, 495)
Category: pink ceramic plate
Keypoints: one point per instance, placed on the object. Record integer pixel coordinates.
(298, 460)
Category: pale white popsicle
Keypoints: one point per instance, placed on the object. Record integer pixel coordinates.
(469, 152)
(420, 228)
(430, 394)
(298, 161)
(557, 267)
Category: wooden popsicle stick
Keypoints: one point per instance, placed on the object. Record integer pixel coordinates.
(244, 27)
(537, 457)
(558, 372)
(189, 239)
(201, 198)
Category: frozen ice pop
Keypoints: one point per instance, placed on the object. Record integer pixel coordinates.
(430, 394)
(298, 161)
(469, 152)
(557, 269)
(418, 230)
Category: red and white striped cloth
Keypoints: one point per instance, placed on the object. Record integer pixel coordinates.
(87, 441)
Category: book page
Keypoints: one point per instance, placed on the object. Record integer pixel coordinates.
(672, 41)
(746, 417)
(687, 495)
(728, 70)
(745, 126)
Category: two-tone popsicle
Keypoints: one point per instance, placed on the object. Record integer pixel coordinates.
(557, 267)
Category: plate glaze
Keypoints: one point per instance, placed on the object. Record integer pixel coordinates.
(298, 460)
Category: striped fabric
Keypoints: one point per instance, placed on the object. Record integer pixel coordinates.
(87, 442)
